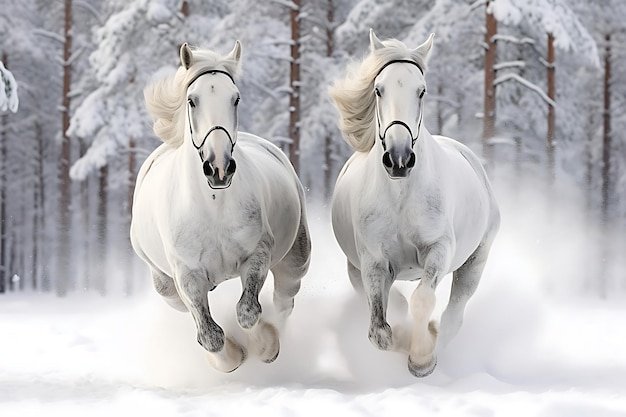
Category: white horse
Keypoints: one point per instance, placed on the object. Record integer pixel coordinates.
(407, 205)
(199, 218)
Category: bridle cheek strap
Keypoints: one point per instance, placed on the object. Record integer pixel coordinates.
(211, 130)
(401, 123)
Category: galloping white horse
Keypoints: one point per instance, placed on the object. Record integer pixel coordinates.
(407, 205)
(200, 218)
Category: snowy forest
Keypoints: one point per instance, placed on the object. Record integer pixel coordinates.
(534, 87)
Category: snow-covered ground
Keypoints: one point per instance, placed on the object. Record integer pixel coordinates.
(525, 349)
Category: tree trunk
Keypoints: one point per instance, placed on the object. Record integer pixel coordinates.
(4, 268)
(551, 110)
(86, 236)
(328, 142)
(46, 285)
(37, 209)
(102, 237)
(489, 113)
(129, 283)
(3, 198)
(63, 262)
(131, 175)
(606, 136)
(294, 83)
(607, 249)
(440, 109)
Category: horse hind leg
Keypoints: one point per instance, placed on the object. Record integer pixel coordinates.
(464, 283)
(166, 288)
(289, 272)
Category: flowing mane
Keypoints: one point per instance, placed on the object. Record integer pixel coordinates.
(165, 98)
(354, 95)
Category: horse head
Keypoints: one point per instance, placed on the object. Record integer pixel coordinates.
(399, 88)
(212, 100)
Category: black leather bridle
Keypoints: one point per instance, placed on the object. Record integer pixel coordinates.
(400, 122)
(214, 128)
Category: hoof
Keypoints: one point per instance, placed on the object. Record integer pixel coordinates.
(272, 359)
(264, 342)
(229, 358)
(421, 371)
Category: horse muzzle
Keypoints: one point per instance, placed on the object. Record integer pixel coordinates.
(399, 164)
(217, 180)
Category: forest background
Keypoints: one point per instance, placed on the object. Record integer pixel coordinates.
(532, 86)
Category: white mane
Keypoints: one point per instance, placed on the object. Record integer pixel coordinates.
(165, 98)
(354, 95)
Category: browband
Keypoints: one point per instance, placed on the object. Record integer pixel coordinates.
(210, 71)
(406, 61)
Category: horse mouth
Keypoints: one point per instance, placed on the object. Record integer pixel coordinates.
(399, 174)
(217, 184)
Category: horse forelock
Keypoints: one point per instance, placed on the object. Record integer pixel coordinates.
(354, 94)
(165, 98)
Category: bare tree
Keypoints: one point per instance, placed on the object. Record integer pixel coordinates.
(551, 113)
(489, 113)
(294, 83)
(63, 267)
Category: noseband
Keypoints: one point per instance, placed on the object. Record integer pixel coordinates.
(400, 122)
(214, 128)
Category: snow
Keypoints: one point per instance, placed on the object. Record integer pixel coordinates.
(524, 349)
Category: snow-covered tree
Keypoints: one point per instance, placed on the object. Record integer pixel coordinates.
(8, 90)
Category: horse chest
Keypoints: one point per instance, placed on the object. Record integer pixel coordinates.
(216, 243)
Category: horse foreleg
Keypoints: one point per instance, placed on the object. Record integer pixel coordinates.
(422, 358)
(377, 280)
(262, 336)
(224, 354)
(253, 273)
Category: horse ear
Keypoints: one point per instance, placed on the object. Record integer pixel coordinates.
(422, 52)
(375, 43)
(235, 53)
(185, 55)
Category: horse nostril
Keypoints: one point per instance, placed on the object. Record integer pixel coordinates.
(208, 170)
(387, 160)
(232, 166)
(410, 163)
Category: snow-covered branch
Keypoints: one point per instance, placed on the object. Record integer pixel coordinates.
(516, 77)
(477, 4)
(85, 5)
(512, 39)
(75, 56)
(286, 3)
(509, 64)
(50, 35)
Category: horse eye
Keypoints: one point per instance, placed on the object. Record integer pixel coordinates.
(377, 91)
(237, 101)
(191, 103)
(422, 93)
